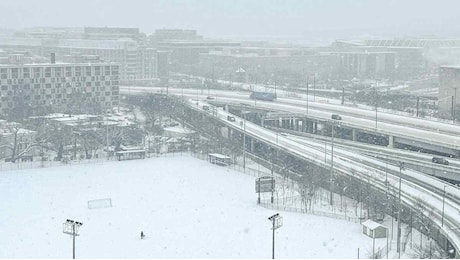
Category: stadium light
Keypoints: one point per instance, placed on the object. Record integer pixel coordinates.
(71, 227)
(277, 222)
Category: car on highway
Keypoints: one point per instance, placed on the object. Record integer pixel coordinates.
(336, 117)
(231, 118)
(209, 97)
(440, 160)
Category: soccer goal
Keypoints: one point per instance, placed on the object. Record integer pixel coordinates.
(100, 203)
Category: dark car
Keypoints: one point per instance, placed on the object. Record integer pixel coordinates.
(205, 107)
(440, 160)
(231, 118)
(336, 117)
(209, 97)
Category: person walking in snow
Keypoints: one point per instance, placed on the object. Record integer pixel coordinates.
(142, 235)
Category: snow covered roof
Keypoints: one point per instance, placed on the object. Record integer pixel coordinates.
(372, 224)
(180, 130)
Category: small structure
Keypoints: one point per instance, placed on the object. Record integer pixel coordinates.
(374, 229)
(130, 154)
(219, 159)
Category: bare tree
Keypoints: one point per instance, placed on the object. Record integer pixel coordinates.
(21, 141)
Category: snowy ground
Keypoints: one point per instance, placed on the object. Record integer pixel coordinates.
(188, 208)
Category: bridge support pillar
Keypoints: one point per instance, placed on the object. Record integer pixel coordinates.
(315, 127)
(229, 133)
(390, 141)
(262, 121)
(252, 145)
(354, 134)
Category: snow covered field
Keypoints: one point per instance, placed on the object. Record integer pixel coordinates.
(188, 208)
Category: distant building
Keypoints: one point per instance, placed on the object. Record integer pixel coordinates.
(262, 64)
(369, 65)
(110, 33)
(175, 34)
(162, 64)
(413, 57)
(136, 61)
(449, 85)
(40, 88)
(188, 52)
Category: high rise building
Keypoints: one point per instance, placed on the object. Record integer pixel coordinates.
(31, 89)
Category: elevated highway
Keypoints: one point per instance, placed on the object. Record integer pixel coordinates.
(441, 201)
(357, 123)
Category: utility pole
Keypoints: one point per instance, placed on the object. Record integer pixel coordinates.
(454, 101)
(443, 199)
(375, 97)
(107, 138)
(244, 141)
(398, 249)
(314, 87)
(307, 95)
(332, 165)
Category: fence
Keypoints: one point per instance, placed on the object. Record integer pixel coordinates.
(236, 166)
(18, 165)
(297, 209)
(312, 212)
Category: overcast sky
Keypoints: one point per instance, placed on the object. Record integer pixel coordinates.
(245, 18)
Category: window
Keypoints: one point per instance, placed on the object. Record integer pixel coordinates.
(47, 72)
(88, 71)
(77, 71)
(68, 71)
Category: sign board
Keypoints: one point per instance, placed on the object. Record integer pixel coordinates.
(265, 184)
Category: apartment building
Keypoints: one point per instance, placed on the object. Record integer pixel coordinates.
(33, 89)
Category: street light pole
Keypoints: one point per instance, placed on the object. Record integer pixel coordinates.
(375, 97)
(107, 138)
(443, 199)
(307, 95)
(454, 102)
(244, 142)
(401, 167)
(332, 164)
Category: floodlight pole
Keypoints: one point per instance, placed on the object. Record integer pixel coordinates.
(274, 219)
(73, 241)
(73, 225)
(273, 242)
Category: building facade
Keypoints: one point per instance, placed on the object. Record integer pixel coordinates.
(32, 89)
(449, 85)
(136, 60)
